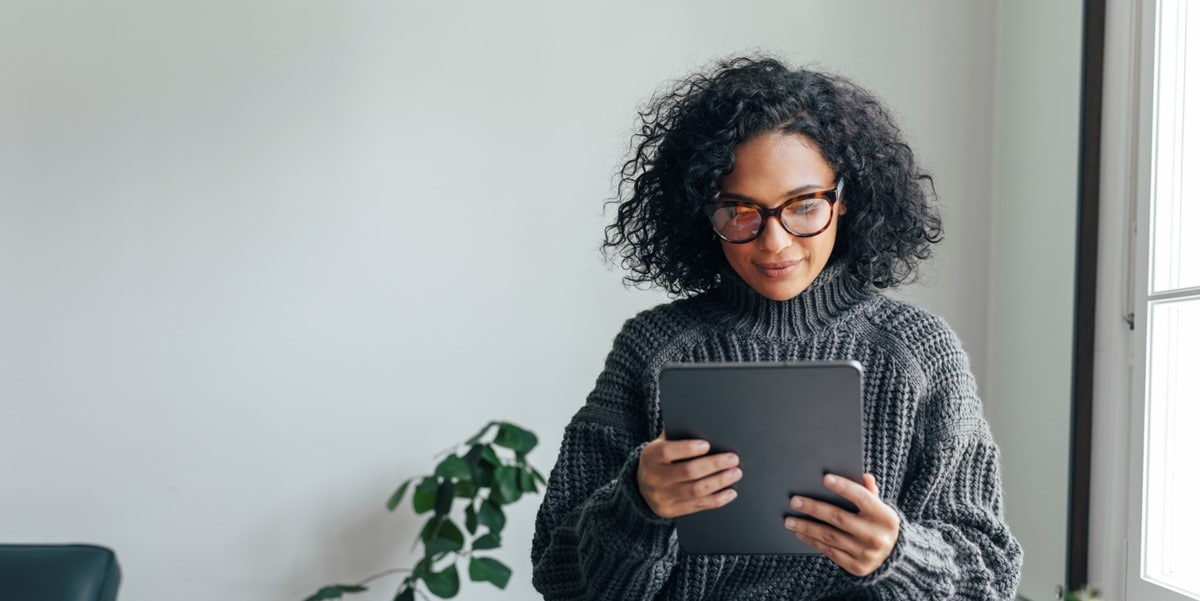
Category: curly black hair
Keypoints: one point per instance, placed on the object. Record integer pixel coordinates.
(685, 145)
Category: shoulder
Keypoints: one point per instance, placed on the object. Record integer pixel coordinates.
(910, 322)
(918, 329)
(652, 331)
(623, 395)
(921, 340)
(936, 365)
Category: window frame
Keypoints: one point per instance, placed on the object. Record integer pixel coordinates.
(1123, 293)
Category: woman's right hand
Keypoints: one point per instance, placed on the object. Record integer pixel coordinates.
(676, 478)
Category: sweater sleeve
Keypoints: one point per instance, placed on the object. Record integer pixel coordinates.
(595, 537)
(954, 542)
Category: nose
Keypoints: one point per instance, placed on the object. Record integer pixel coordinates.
(773, 238)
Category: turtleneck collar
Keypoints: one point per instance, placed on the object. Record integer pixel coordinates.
(736, 305)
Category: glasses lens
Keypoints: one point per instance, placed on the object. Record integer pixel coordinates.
(807, 216)
(736, 223)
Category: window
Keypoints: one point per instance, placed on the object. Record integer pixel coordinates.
(1165, 523)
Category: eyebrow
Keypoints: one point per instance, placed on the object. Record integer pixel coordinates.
(789, 194)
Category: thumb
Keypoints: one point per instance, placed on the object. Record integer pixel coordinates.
(869, 482)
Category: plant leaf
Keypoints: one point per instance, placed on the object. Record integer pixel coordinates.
(507, 483)
(398, 495)
(491, 515)
(482, 431)
(487, 475)
(472, 518)
(453, 467)
(489, 455)
(408, 594)
(444, 583)
(445, 496)
(525, 482)
(474, 459)
(335, 591)
(422, 569)
(465, 489)
(425, 494)
(516, 438)
(486, 569)
(430, 524)
(491, 540)
(538, 476)
(442, 538)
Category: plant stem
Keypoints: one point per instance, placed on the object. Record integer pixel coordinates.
(446, 452)
(382, 574)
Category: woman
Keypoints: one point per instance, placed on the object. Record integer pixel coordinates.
(776, 203)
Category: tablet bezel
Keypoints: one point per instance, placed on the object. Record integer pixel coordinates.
(805, 419)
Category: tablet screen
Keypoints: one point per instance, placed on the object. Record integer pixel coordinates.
(789, 422)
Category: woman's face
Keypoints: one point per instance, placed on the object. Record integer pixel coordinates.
(771, 169)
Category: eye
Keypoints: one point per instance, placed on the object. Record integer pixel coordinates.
(806, 206)
(744, 214)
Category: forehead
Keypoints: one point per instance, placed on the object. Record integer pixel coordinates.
(773, 164)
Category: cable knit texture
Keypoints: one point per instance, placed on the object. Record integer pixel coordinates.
(926, 441)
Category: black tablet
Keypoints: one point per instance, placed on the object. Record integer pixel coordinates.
(790, 423)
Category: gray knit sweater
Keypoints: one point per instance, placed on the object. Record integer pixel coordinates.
(926, 441)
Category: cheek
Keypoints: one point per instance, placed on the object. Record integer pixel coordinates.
(735, 253)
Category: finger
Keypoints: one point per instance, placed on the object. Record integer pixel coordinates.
(875, 510)
(706, 486)
(653, 449)
(838, 556)
(699, 468)
(676, 450)
(845, 551)
(847, 521)
(720, 498)
(815, 533)
(863, 499)
(662, 450)
(871, 484)
(876, 524)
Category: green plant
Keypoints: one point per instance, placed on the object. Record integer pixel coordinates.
(488, 471)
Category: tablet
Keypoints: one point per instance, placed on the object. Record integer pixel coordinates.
(790, 424)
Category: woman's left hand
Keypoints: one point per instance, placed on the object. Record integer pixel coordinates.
(859, 542)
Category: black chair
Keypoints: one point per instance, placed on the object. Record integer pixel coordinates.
(58, 573)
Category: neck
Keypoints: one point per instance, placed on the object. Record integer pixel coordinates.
(739, 307)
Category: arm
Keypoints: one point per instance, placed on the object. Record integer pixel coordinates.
(595, 537)
(953, 540)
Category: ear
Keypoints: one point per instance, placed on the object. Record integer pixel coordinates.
(841, 208)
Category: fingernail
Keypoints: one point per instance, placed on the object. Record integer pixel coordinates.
(790, 522)
(797, 503)
(731, 459)
(830, 479)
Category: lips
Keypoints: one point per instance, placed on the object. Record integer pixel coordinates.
(782, 265)
(777, 269)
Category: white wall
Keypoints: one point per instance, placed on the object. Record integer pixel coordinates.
(226, 332)
(1032, 277)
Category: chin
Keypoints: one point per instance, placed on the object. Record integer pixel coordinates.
(782, 291)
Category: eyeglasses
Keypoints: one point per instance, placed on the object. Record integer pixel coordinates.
(804, 216)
